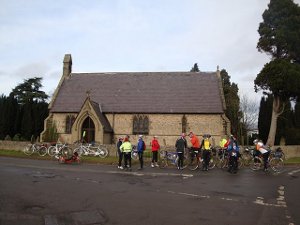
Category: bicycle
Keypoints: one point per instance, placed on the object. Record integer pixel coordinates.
(223, 162)
(275, 161)
(59, 149)
(194, 159)
(212, 159)
(90, 149)
(168, 158)
(74, 159)
(39, 148)
(247, 155)
(134, 153)
(222, 156)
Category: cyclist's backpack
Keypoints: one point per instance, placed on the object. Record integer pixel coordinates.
(206, 144)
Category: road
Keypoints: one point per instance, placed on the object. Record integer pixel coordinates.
(36, 192)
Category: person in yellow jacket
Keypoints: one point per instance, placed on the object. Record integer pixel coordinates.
(223, 142)
(126, 148)
(206, 149)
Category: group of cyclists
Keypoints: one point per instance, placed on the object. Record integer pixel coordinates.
(199, 149)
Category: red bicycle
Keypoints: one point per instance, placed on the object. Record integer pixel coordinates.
(65, 159)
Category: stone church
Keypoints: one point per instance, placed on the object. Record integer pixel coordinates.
(104, 106)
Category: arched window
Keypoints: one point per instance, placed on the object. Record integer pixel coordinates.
(140, 124)
(70, 119)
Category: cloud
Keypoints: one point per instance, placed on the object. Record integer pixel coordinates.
(129, 35)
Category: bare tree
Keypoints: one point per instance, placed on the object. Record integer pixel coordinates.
(250, 110)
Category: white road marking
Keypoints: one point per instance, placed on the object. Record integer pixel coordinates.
(193, 195)
(280, 199)
(293, 172)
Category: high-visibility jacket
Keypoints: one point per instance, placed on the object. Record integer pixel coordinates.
(223, 142)
(126, 147)
(205, 145)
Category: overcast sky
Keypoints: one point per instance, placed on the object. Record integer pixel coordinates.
(129, 35)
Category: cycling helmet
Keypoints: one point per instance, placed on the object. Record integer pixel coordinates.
(255, 141)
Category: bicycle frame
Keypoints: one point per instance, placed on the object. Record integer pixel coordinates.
(91, 150)
(56, 150)
(39, 148)
(275, 161)
(168, 158)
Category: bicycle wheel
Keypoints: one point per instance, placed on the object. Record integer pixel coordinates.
(256, 163)
(163, 163)
(224, 163)
(66, 152)
(247, 158)
(78, 150)
(28, 150)
(240, 162)
(52, 150)
(175, 162)
(134, 155)
(193, 163)
(211, 164)
(276, 164)
(42, 151)
(103, 152)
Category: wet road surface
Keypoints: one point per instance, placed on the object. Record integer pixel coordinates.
(38, 192)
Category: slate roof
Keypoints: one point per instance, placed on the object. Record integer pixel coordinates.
(103, 119)
(147, 92)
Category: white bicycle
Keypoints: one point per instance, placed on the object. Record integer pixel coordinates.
(59, 149)
(92, 150)
(39, 148)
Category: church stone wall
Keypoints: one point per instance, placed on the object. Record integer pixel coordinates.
(168, 127)
(60, 121)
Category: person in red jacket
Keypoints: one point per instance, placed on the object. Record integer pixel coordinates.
(155, 147)
(195, 149)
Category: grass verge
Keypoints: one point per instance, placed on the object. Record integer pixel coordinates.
(111, 160)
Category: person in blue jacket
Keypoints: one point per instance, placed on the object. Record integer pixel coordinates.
(234, 154)
(141, 146)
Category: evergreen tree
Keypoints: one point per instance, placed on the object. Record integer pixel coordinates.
(195, 68)
(297, 114)
(29, 91)
(232, 103)
(40, 112)
(264, 117)
(280, 37)
(2, 117)
(27, 124)
(285, 121)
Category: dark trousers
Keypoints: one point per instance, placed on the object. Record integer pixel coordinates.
(206, 159)
(233, 162)
(154, 156)
(120, 157)
(127, 159)
(141, 159)
(194, 153)
(266, 159)
(180, 159)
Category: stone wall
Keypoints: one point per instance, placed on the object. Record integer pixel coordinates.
(168, 127)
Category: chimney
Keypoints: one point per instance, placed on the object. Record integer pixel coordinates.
(218, 72)
(67, 65)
